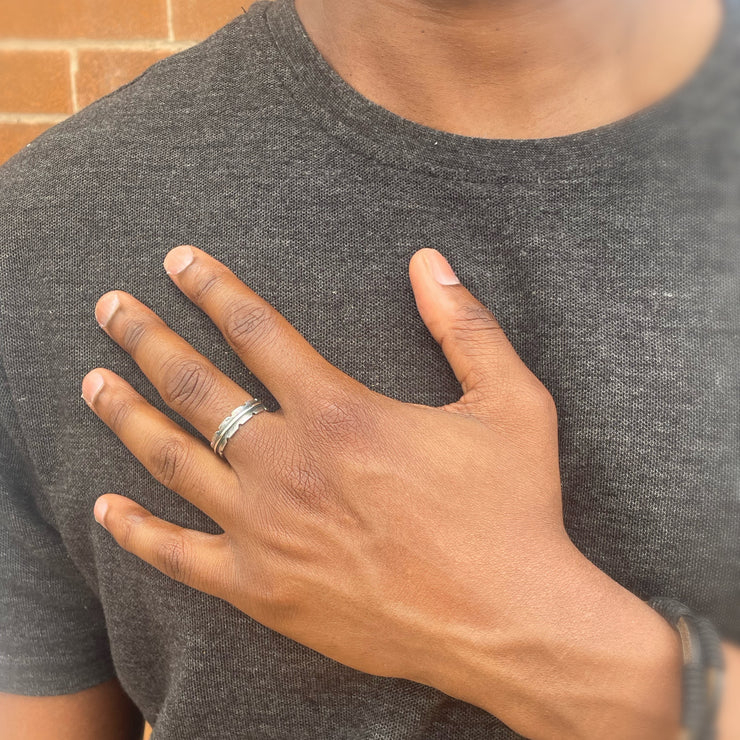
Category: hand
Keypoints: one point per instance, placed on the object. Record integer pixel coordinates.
(376, 532)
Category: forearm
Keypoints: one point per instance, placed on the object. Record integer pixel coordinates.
(596, 661)
(729, 716)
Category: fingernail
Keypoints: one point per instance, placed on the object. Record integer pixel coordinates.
(91, 385)
(101, 507)
(105, 309)
(440, 268)
(178, 259)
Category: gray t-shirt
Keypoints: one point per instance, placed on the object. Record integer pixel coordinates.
(610, 258)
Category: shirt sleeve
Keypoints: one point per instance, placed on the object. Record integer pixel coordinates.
(53, 638)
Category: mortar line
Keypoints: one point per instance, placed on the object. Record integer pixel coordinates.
(32, 118)
(170, 27)
(73, 68)
(98, 44)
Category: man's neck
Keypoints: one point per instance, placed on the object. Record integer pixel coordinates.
(513, 68)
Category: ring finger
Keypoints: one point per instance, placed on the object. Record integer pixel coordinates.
(187, 381)
(175, 458)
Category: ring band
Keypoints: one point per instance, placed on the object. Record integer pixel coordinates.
(233, 421)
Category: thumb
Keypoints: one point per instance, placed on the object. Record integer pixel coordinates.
(474, 344)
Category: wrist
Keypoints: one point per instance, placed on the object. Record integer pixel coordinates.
(586, 658)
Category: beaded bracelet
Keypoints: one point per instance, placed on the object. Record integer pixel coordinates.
(703, 668)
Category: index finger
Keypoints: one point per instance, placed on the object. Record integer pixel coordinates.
(263, 338)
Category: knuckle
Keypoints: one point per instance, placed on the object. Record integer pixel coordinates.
(536, 400)
(246, 322)
(302, 480)
(474, 319)
(545, 403)
(274, 598)
(119, 412)
(173, 558)
(127, 532)
(211, 282)
(169, 459)
(342, 419)
(133, 333)
(186, 382)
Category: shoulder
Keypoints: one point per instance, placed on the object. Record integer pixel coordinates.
(194, 95)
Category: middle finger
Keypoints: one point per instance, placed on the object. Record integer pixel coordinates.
(266, 342)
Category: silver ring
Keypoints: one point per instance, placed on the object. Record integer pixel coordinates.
(233, 421)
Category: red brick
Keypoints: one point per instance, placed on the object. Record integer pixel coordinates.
(35, 82)
(102, 71)
(14, 136)
(91, 19)
(195, 19)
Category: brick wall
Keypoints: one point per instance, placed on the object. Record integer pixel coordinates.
(57, 56)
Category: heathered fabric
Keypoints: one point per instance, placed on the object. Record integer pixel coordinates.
(610, 258)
